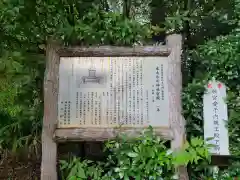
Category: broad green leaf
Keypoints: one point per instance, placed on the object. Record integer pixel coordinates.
(132, 154)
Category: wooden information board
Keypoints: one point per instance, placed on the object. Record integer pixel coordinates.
(95, 93)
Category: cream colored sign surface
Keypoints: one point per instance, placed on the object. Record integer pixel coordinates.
(113, 91)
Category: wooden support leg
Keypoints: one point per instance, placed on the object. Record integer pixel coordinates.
(49, 158)
(49, 147)
(177, 122)
(177, 143)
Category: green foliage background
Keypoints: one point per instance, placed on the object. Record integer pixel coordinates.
(211, 48)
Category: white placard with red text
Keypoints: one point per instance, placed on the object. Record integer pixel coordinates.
(215, 117)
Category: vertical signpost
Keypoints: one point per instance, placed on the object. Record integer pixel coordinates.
(215, 117)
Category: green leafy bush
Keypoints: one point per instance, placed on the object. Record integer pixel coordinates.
(20, 101)
(143, 157)
(101, 27)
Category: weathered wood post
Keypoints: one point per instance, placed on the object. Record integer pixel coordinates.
(49, 146)
(177, 122)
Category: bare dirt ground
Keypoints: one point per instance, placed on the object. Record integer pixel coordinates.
(23, 168)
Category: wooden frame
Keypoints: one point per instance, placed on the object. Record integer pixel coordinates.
(50, 133)
(113, 51)
(102, 134)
